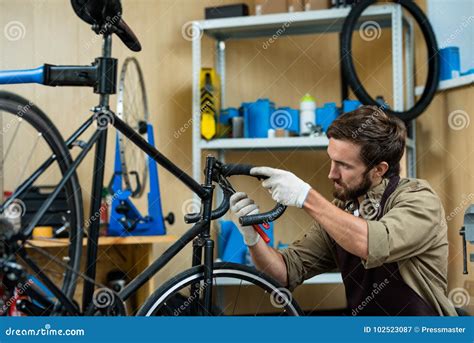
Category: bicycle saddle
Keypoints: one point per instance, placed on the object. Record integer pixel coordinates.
(107, 12)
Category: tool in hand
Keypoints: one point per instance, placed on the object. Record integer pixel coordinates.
(256, 227)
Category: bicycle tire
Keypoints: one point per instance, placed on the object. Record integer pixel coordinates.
(432, 52)
(33, 115)
(281, 296)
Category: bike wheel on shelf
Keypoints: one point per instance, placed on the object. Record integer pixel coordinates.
(29, 139)
(236, 290)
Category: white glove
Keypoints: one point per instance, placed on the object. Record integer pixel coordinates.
(285, 187)
(242, 205)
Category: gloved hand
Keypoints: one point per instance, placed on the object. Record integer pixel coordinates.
(242, 205)
(285, 187)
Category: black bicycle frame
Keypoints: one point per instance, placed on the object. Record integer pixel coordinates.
(203, 245)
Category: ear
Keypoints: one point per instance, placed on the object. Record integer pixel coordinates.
(380, 169)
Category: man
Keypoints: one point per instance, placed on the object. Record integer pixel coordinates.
(386, 235)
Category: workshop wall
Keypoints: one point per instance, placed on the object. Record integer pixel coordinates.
(284, 72)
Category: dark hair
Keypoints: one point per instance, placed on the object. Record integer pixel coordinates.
(380, 136)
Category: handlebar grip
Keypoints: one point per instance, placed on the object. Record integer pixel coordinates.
(190, 218)
(265, 217)
(239, 169)
(236, 169)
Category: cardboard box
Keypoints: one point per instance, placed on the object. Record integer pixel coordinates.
(270, 6)
(313, 5)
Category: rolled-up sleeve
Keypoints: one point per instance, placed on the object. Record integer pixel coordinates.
(413, 224)
(309, 256)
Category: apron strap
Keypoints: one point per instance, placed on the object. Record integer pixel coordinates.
(392, 185)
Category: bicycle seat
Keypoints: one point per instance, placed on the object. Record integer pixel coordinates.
(107, 13)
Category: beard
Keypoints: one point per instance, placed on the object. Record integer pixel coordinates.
(346, 193)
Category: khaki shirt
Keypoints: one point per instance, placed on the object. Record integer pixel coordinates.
(412, 232)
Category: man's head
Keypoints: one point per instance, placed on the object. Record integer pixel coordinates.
(365, 146)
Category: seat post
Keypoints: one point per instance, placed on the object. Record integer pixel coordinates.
(103, 77)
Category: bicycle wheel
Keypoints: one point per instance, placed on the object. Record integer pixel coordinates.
(236, 290)
(432, 52)
(29, 138)
(132, 108)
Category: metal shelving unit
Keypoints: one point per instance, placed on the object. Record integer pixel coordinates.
(461, 81)
(311, 22)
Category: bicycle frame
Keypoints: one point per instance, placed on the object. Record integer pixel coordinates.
(203, 245)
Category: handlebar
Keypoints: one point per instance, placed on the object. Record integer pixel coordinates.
(220, 174)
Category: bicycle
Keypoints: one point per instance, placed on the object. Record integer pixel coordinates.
(199, 282)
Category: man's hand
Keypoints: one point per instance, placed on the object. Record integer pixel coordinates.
(242, 205)
(285, 187)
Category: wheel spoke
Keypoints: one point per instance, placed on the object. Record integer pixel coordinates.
(28, 160)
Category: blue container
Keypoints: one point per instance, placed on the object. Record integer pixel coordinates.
(231, 246)
(257, 118)
(326, 115)
(227, 114)
(286, 118)
(350, 105)
(450, 63)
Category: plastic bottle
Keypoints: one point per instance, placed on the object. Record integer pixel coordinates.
(307, 114)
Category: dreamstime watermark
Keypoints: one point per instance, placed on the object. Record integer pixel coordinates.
(14, 30)
(103, 119)
(101, 210)
(183, 128)
(459, 297)
(460, 208)
(15, 209)
(205, 107)
(103, 297)
(19, 291)
(458, 120)
(281, 297)
(22, 110)
(377, 289)
(277, 34)
(369, 209)
(191, 206)
(281, 119)
(368, 122)
(462, 26)
(191, 30)
(370, 30)
(189, 300)
(46, 331)
(108, 23)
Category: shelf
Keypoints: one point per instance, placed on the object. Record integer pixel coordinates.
(319, 142)
(62, 242)
(308, 22)
(449, 84)
(326, 278)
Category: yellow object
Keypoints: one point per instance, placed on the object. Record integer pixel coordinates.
(43, 232)
(209, 86)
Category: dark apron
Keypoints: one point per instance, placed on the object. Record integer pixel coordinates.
(379, 291)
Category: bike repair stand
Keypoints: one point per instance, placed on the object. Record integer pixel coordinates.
(125, 218)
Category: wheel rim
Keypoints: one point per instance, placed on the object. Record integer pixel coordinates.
(132, 108)
(26, 145)
(269, 301)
